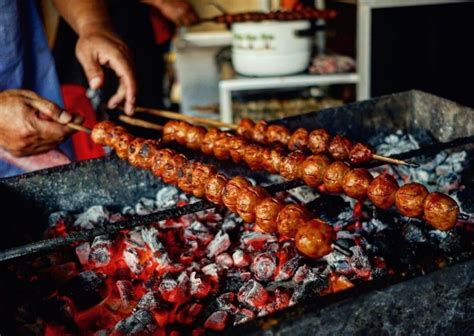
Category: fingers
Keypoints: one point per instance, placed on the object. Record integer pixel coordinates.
(127, 88)
(47, 109)
(90, 64)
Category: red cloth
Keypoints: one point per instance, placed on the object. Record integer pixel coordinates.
(162, 27)
(76, 101)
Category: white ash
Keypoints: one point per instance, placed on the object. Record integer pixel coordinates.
(134, 238)
(130, 256)
(146, 206)
(219, 244)
(96, 215)
(303, 194)
(167, 197)
(83, 251)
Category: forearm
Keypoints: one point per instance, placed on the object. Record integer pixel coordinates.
(84, 15)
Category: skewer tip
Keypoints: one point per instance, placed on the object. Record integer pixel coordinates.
(412, 164)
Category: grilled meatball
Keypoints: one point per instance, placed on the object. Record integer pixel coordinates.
(314, 239)
(313, 169)
(237, 146)
(409, 199)
(360, 153)
(185, 177)
(381, 191)
(278, 134)
(248, 200)
(245, 128)
(123, 143)
(101, 132)
(318, 141)
(298, 140)
(160, 160)
(290, 219)
(171, 169)
(253, 156)
(169, 130)
(440, 211)
(201, 174)
(272, 158)
(114, 136)
(356, 182)
(221, 146)
(182, 132)
(232, 190)
(194, 137)
(215, 187)
(334, 176)
(266, 214)
(290, 167)
(133, 151)
(144, 153)
(259, 133)
(340, 148)
(207, 146)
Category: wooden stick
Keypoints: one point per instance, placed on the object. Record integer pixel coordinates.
(79, 128)
(394, 161)
(184, 117)
(140, 123)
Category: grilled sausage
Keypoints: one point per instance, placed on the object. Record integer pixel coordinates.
(290, 167)
(334, 176)
(318, 141)
(195, 136)
(356, 182)
(221, 146)
(133, 151)
(201, 174)
(123, 143)
(232, 190)
(409, 199)
(182, 132)
(185, 177)
(160, 160)
(207, 145)
(314, 238)
(290, 219)
(101, 132)
(237, 145)
(247, 202)
(245, 128)
(215, 187)
(266, 214)
(144, 153)
(360, 153)
(259, 133)
(170, 172)
(381, 191)
(440, 211)
(313, 169)
(253, 156)
(340, 148)
(169, 130)
(272, 158)
(298, 140)
(278, 134)
(114, 136)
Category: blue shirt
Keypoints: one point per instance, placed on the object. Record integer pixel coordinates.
(25, 59)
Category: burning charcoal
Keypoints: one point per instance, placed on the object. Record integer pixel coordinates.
(131, 258)
(187, 313)
(225, 302)
(303, 194)
(449, 242)
(255, 241)
(339, 263)
(100, 251)
(212, 271)
(240, 258)
(245, 276)
(167, 197)
(59, 216)
(449, 182)
(145, 206)
(244, 315)
(58, 310)
(217, 321)
(360, 263)
(134, 238)
(128, 211)
(141, 322)
(96, 215)
(412, 233)
(151, 238)
(308, 288)
(253, 294)
(282, 298)
(231, 224)
(149, 301)
(200, 286)
(125, 290)
(210, 217)
(263, 266)
(224, 260)
(198, 231)
(173, 290)
(219, 244)
(288, 269)
(83, 251)
(86, 289)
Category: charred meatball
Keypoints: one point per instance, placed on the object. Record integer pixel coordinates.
(314, 239)
(195, 136)
(201, 174)
(272, 158)
(318, 141)
(171, 169)
(298, 140)
(253, 156)
(237, 145)
(248, 200)
(360, 153)
(123, 143)
(215, 187)
(440, 211)
(207, 146)
(266, 214)
(101, 132)
(232, 190)
(160, 160)
(245, 128)
(381, 191)
(278, 134)
(409, 199)
(185, 177)
(340, 148)
(290, 167)
(290, 219)
(356, 182)
(169, 130)
(334, 176)
(260, 132)
(313, 169)
(221, 146)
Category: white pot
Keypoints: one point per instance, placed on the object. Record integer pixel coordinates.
(270, 48)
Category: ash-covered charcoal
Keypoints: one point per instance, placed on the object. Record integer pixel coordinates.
(450, 242)
(167, 197)
(309, 282)
(224, 260)
(148, 301)
(240, 258)
(96, 215)
(303, 194)
(128, 211)
(125, 290)
(219, 244)
(134, 238)
(288, 269)
(85, 290)
(243, 315)
(255, 241)
(413, 232)
(132, 260)
(101, 254)
(360, 263)
(146, 206)
(140, 323)
(60, 216)
(232, 224)
(83, 252)
(188, 313)
(200, 285)
(227, 302)
(217, 321)
(199, 232)
(212, 271)
(253, 294)
(263, 266)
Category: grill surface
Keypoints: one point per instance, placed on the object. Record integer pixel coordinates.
(28, 199)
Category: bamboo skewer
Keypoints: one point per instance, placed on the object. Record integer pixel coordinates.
(140, 123)
(78, 127)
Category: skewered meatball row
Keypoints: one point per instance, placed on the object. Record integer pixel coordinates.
(313, 237)
(301, 14)
(318, 141)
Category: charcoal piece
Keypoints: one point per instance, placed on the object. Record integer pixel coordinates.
(167, 197)
(94, 216)
(256, 241)
(146, 206)
(217, 320)
(83, 252)
(197, 231)
(253, 294)
(60, 216)
(59, 310)
(263, 266)
(134, 238)
(243, 315)
(219, 244)
(141, 322)
(86, 290)
(288, 269)
(148, 301)
(414, 234)
(450, 242)
(131, 258)
(125, 289)
(328, 207)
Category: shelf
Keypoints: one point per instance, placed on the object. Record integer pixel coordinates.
(207, 39)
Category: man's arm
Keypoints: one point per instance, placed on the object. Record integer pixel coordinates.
(99, 46)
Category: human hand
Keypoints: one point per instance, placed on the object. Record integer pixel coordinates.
(30, 124)
(98, 46)
(179, 12)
